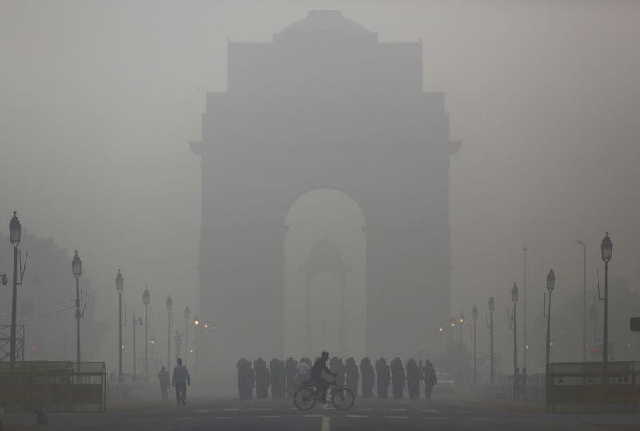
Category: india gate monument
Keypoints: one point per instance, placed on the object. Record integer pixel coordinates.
(324, 107)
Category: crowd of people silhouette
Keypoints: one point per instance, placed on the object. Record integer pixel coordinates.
(285, 376)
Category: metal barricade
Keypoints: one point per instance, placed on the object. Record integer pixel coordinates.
(590, 386)
(56, 386)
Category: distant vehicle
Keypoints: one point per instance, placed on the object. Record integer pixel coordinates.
(445, 384)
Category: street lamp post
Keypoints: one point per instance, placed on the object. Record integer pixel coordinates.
(492, 307)
(15, 232)
(196, 323)
(551, 284)
(119, 288)
(76, 268)
(524, 315)
(461, 320)
(146, 300)
(514, 299)
(136, 321)
(474, 314)
(440, 332)
(187, 315)
(606, 249)
(452, 325)
(584, 300)
(169, 305)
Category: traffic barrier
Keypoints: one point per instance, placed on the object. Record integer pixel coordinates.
(592, 386)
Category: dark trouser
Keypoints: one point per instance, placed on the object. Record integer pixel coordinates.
(428, 389)
(181, 393)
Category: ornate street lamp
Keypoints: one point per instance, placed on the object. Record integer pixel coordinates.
(15, 233)
(119, 289)
(514, 299)
(606, 249)
(146, 300)
(551, 284)
(169, 305)
(492, 307)
(187, 316)
(196, 323)
(76, 268)
(461, 320)
(474, 315)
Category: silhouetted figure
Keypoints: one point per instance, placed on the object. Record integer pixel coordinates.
(180, 380)
(429, 378)
(262, 378)
(290, 370)
(353, 377)
(366, 370)
(398, 378)
(384, 377)
(163, 376)
(246, 379)
(334, 365)
(341, 374)
(278, 378)
(413, 379)
(303, 372)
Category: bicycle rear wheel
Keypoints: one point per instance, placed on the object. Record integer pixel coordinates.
(343, 398)
(304, 398)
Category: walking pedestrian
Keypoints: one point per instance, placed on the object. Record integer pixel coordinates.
(429, 378)
(384, 377)
(180, 380)
(413, 379)
(352, 375)
(398, 378)
(163, 376)
(366, 369)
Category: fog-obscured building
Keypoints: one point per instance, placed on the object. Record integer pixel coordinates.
(326, 105)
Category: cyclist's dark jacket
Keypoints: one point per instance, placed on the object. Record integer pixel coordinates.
(317, 369)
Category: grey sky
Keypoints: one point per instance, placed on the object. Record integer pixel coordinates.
(99, 98)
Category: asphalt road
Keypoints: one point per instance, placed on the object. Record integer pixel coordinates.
(370, 415)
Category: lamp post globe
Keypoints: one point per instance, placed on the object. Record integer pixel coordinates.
(169, 304)
(196, 321)
(606, 248)
(514, 293)
(76, 265)
(551, 280)
(15, 230)
(492, 304)
(119, 282)
(461, 319)
(146, 297)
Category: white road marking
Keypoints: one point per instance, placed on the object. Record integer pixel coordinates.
(397, 417)
(259, 410)
(393, 410)
(203, 411)
(228, 410)
(268, 417)
(430, 411)
(325, 423)
(224, 417)
(357, 416)
(365, 410)
(312, 416)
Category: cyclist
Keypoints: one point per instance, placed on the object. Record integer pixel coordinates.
(321, 383)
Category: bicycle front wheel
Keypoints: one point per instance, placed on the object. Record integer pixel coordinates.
(304, 398)
(343, 398)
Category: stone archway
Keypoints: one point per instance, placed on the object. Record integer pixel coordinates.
(325, 275)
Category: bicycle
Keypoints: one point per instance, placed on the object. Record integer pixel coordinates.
(342, 398)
